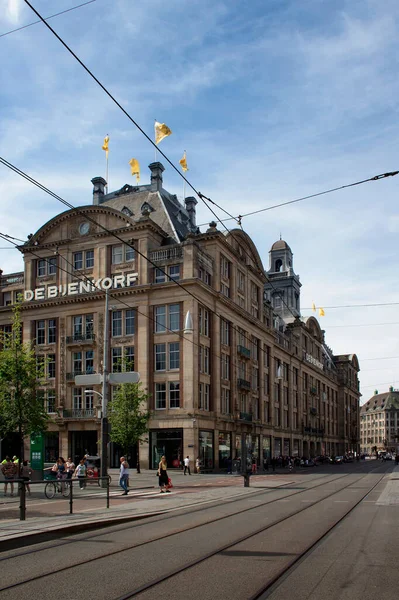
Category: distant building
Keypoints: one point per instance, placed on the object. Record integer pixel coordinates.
(251, 370)
(379, 422)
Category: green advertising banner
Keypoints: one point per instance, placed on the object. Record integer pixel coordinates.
(37, 451)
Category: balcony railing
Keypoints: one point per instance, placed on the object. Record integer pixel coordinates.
(243, 384)
(246, 417)
(244, 351)
(71, 376)
(313, 431)
(166, 254)
(78, 339)
(313, 390)
(79, 413)
(11, 279)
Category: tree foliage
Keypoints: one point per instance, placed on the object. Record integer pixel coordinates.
(21, 409)
(128, 415)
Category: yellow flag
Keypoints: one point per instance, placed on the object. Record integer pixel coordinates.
(161, 131)
(105, 145)
(313, 307)
(183, 162)
(321, 312)
(135, 168)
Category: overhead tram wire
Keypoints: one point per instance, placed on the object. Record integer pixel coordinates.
(46, 18)
(89, 218)
(341, 187)
(82, 277)
(119, 105)
(357, 305)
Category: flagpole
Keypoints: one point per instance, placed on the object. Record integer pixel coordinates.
(106, 171)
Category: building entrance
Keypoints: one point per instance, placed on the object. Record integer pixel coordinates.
(169, 443)
(81, 443)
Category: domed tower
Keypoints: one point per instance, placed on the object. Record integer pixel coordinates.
(283, 288)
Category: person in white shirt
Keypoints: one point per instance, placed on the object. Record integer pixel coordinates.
(124, 476)
(187, 465)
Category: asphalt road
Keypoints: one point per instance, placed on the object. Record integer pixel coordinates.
(332, 533)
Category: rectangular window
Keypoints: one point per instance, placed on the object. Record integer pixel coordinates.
(129, 322)
(117, 254)
(160, 319)
(50, 401)
(89, 326)
(267, 412)
(240, 281)
(225, 290)
(41, 267)
(77, 363)
(160, 357)
(204, 360)
(116, 323)
(77, 399)
(129, 358)
(89, 259)
(160, 396)
(174, 355)
(88, 399)
(224, 267)
(77, 327)
(52, 331)
(130, 253)
(174, 317)
(204, 396)
(40, 332)
(174, 394)
(225, 332)
(89, 362)
(266, 384)
(225, 401)
(117, 360)
(225, 366)
(174, 272)
(255, 349)
(203, 321)
(78, 260)
(51, 366)
(160, 276)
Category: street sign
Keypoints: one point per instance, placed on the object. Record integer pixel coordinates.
(94, 379)
(37, 451)
(118, 378)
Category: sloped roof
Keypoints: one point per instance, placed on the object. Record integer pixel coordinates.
(386, 401)
(280, 245)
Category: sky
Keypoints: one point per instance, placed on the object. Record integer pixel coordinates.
(271, 100)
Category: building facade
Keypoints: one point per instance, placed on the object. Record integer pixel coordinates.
(379, 423)
(251, 370)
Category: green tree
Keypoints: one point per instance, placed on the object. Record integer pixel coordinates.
(128, 415)
(21, 408)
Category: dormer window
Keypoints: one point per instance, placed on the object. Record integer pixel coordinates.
(127, 211)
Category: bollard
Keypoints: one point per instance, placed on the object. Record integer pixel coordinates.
(22, 501)
(107, 492)
(70, 497)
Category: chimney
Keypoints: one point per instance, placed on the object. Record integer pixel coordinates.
(391, 389)
(156, 169)
(99, 184)
(375, 392)
(191, 203)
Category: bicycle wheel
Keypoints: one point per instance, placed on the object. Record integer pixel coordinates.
(66, 492)
(50, 490)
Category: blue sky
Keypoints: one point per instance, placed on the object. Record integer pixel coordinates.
(272, 100)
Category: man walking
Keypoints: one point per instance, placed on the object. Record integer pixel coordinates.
(124, 475)
(187, 465)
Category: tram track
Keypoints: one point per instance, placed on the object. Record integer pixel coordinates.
(262, 592)
(165, 516)
(184, 530)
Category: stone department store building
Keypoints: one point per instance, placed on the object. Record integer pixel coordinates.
(379, 422)
(251, 365)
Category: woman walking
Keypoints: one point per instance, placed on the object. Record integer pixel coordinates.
(163, 475)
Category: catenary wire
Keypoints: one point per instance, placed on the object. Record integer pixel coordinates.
(46, 18)
(335, 189)
(199, 194)
(356, 305)
(204, 199)
(78, 209)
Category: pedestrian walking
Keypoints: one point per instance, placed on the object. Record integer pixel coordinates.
(9, 470)
(187, 465)
(163, 475)
(26, 473)
(274, 463)
(124, 476)
(198, 465)
(254, 465)
(70, 468)
(80, 473)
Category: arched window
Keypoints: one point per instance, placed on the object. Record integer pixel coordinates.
(278, 265)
